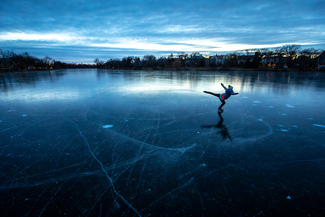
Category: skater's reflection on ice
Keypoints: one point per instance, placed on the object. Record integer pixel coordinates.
(223, 129)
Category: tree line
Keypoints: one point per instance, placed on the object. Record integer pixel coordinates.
(151, 61)
(20, 62)
(287, 55)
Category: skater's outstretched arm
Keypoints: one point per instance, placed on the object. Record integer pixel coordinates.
(223, 86)
(233, 93)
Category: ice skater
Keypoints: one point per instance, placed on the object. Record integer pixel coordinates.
(228, 92)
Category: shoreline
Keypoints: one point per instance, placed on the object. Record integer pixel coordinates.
(238, 69)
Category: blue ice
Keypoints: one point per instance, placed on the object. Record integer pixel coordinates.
(245, 97)
(289, 198)
(271, 106)
(284, 114)
(280, 125)
(294, 125)
(107, 126)
(24, 115)
(11, 110)
(284, 130)
(318, 125)
(290, 106)
(256, 101)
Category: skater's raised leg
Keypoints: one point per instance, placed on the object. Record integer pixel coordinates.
(214, 94)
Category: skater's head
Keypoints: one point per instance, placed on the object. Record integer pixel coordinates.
(230, 87)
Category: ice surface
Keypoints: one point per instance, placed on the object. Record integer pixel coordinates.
(150, 143)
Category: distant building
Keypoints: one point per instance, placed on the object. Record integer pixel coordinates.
(275, 60)
(212, 60)
(221, 59)
(206, 61)
(321, 61)
(196, 61)
(241, 60)
(269, 60)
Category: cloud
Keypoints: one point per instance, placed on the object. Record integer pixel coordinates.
(154, 27)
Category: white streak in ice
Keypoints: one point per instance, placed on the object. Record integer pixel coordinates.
(318, 125)
(107, 126)
(290, 106)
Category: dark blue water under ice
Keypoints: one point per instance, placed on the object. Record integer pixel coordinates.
(151, 143)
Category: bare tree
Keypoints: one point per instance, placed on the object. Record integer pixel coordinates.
(290, 50)
(96, 61)
(149, 61)
(311, 51)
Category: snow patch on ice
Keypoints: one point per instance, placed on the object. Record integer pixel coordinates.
(284, 130)
(256, 101)
(24, 115)
(318, 125)
(11, 111)
(260, 119)
(280, 125)
(107, 126)
(283, 114)
(294, 125)
(290, 106)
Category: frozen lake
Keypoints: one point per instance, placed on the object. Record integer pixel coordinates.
(151, 143)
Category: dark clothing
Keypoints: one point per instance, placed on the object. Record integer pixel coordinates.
(227, 94)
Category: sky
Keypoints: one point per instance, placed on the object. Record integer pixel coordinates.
(80, 30)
